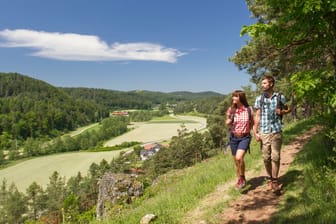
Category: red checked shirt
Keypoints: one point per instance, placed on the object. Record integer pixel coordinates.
(241, 123)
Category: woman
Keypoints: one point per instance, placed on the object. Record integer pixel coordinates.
(239, 117)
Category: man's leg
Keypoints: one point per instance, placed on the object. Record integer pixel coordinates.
(266, 153)
(276, 148)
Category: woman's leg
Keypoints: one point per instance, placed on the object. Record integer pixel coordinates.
(240, 163)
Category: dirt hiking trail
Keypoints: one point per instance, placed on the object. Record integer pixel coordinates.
(256, 204)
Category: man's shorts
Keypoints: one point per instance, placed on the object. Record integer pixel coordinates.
(239, 143)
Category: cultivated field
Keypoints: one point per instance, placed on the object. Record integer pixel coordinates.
(158, 131)
(69, 164)
(41, 168)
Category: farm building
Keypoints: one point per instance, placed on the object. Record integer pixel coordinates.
(149, 150)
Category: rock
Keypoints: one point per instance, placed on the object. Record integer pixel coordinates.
(116, 189)
(147, 218)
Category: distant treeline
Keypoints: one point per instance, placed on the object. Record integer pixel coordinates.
(31, 108)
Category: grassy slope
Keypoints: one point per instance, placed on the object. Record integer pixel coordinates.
(311, 193)
(180, 191)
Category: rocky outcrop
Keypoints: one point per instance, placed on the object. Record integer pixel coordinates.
(116, 189)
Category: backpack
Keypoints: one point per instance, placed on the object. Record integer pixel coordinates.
(279, 104)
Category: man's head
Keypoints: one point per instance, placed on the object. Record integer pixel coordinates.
(267, 83)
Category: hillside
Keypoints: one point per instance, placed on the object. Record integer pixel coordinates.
(255, 204)
(33, 108)
(139, 99)
(205, 192)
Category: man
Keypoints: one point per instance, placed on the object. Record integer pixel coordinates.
(267, 128)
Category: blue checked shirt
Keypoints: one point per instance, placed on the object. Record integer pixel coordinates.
(270, 122)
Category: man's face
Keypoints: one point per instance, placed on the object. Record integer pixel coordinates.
(266, 85)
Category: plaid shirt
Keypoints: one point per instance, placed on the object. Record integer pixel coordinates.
(241, 121)
(270, 122)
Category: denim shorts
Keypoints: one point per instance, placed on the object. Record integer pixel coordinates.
(239, 143)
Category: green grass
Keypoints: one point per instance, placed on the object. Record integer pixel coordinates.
(180, 191)
(311, 186)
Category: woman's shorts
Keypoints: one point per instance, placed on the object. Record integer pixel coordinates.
(239, 143)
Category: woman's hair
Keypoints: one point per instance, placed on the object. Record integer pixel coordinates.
(242, 98)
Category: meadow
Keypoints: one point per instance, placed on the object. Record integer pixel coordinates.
(69, 164)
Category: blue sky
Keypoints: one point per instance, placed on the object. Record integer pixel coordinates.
(156, 45)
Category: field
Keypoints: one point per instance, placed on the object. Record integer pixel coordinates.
(158, 130)
(69, 164)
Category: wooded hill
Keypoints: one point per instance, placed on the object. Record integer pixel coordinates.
(31, 108)
(137, 99)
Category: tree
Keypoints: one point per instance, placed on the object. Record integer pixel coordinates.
(293, 39)
(56, 193)
(15, 206)
(36, 200)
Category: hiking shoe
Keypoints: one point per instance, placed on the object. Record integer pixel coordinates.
(269, 184)
(275, 186)
(241, 183)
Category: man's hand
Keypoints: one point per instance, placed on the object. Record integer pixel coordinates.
(257, 137)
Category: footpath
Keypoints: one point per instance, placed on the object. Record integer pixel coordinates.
(256, 204)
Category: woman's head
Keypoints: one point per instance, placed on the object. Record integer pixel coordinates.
(238, 96)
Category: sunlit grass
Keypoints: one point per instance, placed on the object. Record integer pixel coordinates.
(175, 194)
(311, 186)
(178, 191)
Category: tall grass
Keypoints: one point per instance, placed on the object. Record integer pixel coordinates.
(179, 191)
(311, 186)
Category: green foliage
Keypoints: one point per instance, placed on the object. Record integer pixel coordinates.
(146, 115)
(36, 200)
(184, 150)
(178, 191)
(71, 209)
(311, 192)
(142, 100)
(30, 108)
(294, 41)
(12, 204)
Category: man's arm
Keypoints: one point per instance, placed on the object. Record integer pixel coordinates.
(256, 125)
(286, 109)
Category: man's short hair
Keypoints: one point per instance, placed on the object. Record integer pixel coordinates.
(269, 78)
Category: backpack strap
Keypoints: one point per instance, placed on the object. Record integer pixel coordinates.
(232, 117)
(249, 111)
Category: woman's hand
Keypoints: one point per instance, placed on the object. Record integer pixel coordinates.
(257, 137)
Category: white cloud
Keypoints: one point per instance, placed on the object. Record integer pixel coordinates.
(77, 47)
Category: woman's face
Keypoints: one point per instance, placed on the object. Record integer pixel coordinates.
(235, 99)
